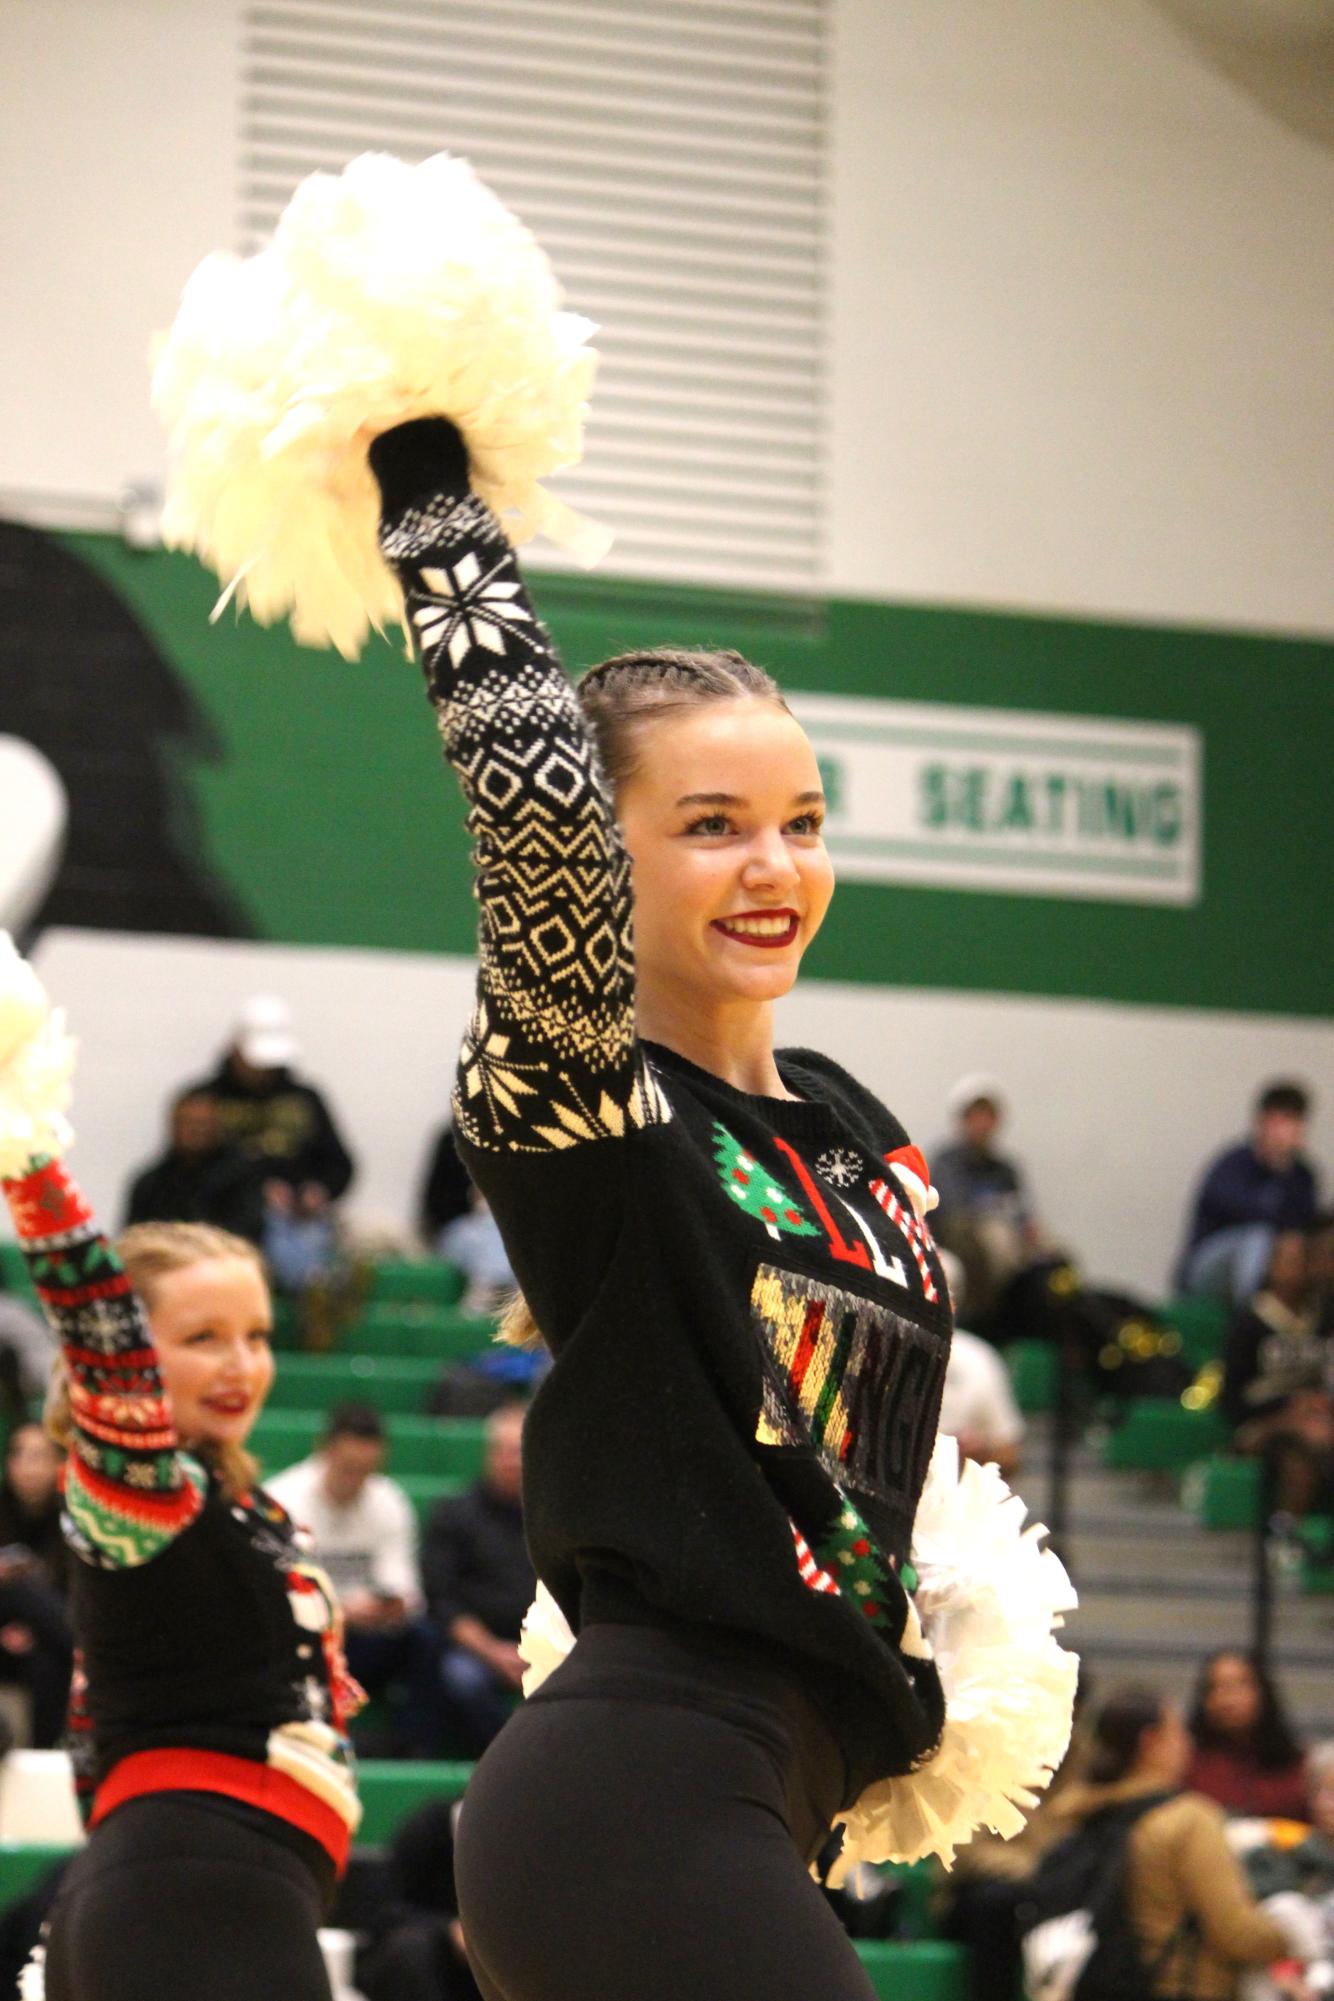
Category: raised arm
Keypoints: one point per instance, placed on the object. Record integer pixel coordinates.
(127, 1489)
(550, 1058)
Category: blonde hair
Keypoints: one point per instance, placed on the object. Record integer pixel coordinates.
(148, 1252)
(620, 697)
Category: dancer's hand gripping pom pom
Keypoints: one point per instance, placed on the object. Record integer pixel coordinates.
(36, 1067)
(388, 293)
(990, 1599)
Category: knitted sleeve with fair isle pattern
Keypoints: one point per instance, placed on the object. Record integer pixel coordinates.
(550, 1058)
(128, 1491)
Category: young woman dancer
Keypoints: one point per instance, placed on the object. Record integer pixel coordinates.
(210, 1712)
(723, 1245)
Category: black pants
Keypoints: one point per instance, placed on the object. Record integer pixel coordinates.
(176, 1901)
(643, 1828)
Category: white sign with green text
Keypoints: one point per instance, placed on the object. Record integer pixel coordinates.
(1004, 799)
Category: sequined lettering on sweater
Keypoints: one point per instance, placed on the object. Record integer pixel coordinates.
(850, 1377)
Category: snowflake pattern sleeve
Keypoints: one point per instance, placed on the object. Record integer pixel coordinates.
(128, 1491)
(550, 1058)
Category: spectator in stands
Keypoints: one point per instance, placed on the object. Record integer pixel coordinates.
(1251, 1192)
(414, 1948)
(479, 1583)
(447, 1189)
(985, 1216)
(31, 1505)
(282, 1124)
(36, 1643)
(201, 1177)
(978, 1406)
(473, 1242)
(26, 1352)
(1196, 1922)
(1307, 1867)
(365, 1535)
(1278, 1382)
(1246, 1756)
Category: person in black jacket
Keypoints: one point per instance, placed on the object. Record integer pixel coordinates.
(479, 1582)
(285, 1128)
(446, 1191)
(201, 1177)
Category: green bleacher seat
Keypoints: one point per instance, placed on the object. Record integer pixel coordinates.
(444, 1448)
(425, 1489)
(427, 1280)
(1032, 1366)
(393, 1788)
(1202, 1325)
(1159, 1434)
(428, 1333)
(1316, 1574)
(915, 1969)
(309, 1382)
(24, 1863)
(1224, 1493)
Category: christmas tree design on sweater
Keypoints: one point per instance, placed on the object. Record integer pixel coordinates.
(755, 1191)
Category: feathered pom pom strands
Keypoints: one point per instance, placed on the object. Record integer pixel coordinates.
(388, 292)
(36, 1066)
(991, 1599)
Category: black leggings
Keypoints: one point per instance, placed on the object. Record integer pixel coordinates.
(643, 1828)
(176, 1901)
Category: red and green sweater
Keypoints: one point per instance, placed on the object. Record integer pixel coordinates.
(211, 1656)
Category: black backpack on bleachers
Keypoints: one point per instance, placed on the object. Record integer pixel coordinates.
(1074, 1923)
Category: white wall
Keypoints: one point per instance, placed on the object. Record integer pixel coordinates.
(118, 135)
(1114, 1107)
(1079, 310)
(1081, 319)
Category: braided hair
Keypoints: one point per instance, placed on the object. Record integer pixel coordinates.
(621, 694)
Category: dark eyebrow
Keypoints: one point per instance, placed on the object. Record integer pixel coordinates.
(733, 799)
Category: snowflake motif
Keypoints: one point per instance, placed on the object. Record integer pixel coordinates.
(468, 608)
(102, 1327)
(839, 1166)
(486, 1068)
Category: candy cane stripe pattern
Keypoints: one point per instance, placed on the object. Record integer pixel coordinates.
(914, 1231)
(812, 1575)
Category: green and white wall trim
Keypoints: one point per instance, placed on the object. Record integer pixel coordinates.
(1089, 857)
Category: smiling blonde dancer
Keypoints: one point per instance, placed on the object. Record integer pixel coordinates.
(722, 1244)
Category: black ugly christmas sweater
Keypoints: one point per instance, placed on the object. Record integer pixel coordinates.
(748, 1318)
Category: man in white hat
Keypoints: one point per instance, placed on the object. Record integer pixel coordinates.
(286, 1127)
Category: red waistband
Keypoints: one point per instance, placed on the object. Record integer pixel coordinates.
(258, 1785)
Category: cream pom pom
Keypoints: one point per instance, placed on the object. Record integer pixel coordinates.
(388, 292)
(991, 1599)
(544, 1641)
(36, 1066)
